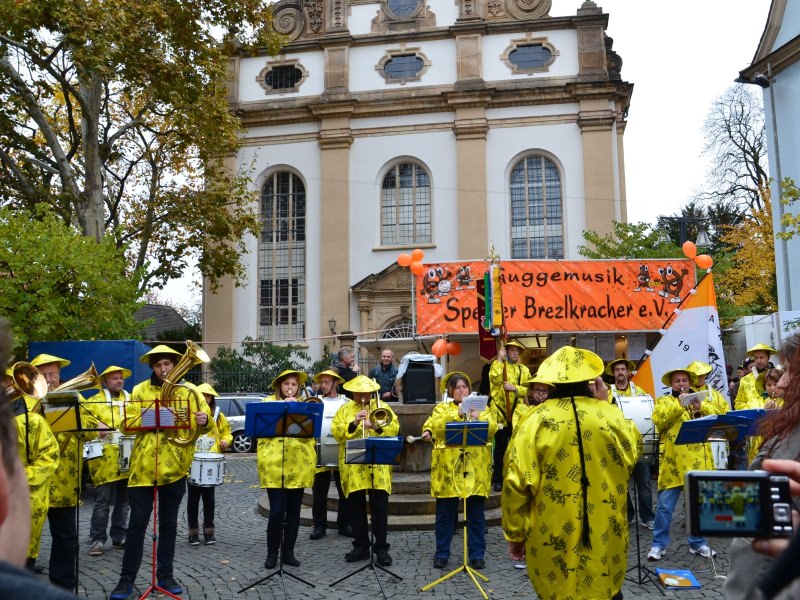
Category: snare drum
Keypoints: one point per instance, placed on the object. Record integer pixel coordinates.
(93, 449)
(327, 447)
(639, 409)
(125, 452)
(208, 469)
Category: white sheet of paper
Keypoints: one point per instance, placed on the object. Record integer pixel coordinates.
(688, 398)
(471, 402)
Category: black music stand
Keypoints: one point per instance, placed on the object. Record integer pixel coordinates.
(62, 411)
(373, 451)
(283, 420)
(643, 573)
(462, 435)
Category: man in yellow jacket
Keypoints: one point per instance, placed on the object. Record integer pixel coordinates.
(752, 386)
(157, 458)
(567, 475)
(352, 421)
(675, 460)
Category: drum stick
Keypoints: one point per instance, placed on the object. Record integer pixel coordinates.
(412, 439)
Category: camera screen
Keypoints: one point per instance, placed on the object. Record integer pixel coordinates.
(728, 506)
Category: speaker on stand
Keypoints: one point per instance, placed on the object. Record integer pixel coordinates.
(419, 383)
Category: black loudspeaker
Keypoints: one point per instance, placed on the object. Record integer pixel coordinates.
(419, 384)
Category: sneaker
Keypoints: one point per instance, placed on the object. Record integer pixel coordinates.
(383, 558)
(656, 553)
(168, 583)
(96, 549)
(194, 539)
(439, 563)
(209, 539)
(648, 525)
(356, 555)
(317, 533)
(705, 551)
(120, 545)
(477, 563)
(122, 591)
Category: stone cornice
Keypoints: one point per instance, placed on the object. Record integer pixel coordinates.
(596, 122)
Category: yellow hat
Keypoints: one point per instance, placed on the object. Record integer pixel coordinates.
(516, 344)
(330, 373)
(113, 369)
(46, 359)
(205, 388)
(301, 377)
(666, 378)
(698, 368)
(362, 384)
(761, 347)
(446, 378)
(609, 370)
(570, 365)
(160, 349)
(536, 379)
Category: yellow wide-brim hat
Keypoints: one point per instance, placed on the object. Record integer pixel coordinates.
(698, 368)
(331, 373)
(160, 349)
(362, 384)
(609, 370)
(516, 344)
(46, 359)
(446, 378)
(537, 379)
(301, 378)
(114, 368)
(205, 388)
(666, 378)
(570, 365)
(762, 348)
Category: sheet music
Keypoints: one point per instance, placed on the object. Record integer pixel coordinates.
(688, 398)
(165, 418)
(470, 402)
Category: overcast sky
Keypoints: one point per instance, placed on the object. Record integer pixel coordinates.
(680, 56)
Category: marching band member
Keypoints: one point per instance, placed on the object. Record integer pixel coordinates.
(328, 384)
(699, 372)
(568, 465)
(218, 440)
(157, 459)
(676, 460)
(110, 483)
(38, 450)
(751, 386)
(65, 484)
(352, 421)
(621, 370)
(448, 463)
(285, 468)
(508, 379)
(538, 392)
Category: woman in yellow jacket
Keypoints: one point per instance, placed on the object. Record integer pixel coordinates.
(218, 440)
(352, 421)
(448, 482)
(285, 468)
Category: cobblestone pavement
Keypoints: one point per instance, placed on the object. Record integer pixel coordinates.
(221, 570)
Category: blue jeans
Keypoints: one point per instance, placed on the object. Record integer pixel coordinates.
(446, 517)
(667, 499)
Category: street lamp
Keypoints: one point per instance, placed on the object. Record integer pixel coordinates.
(703, 240)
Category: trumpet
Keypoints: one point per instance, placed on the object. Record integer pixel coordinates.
(379, 417)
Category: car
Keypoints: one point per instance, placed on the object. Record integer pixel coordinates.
(233, 407)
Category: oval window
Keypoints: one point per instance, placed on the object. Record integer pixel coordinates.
(403, 8)
(532, 56)
(404, 66)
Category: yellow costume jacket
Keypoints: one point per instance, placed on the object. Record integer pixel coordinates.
(105, 469)
(518, 375)
(542, 497)
(522, 412)
(221, 431)
(38, 451)
(66, 481)
(750, 390)
(286, 462)
(445, 462)
(631, 390)
(361, 477)
(720, 405)
(173, 461)
(675, 460)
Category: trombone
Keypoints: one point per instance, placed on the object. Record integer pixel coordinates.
(379, 417)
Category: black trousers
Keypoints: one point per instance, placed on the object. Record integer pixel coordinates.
(64, 549)
(500, 446)
(319, 505)
(193, 497)
(141, 501)
(284, 518)
(379, 513)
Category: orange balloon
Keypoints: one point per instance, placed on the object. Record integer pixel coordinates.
(704, 261)
(453, 348)
(689, 249)
(404, 260)
(439, 348)
(417, 268)
(417, 255)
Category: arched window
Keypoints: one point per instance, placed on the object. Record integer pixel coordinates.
(282, 258)
(403, 328)
(537, 229)
(406, 205)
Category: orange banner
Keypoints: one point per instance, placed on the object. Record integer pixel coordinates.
(555, 296)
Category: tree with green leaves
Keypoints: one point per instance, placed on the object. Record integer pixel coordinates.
(116, 115)
(56, 284)
(628, 240)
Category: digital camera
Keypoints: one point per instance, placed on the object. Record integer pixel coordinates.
(738, 503)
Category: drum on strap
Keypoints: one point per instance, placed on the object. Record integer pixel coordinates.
(93, 449)
(327, 447)
(125, 452)
(208, 469)
(639, 409)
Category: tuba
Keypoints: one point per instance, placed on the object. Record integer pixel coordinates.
(193, 356)
(26, 380)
